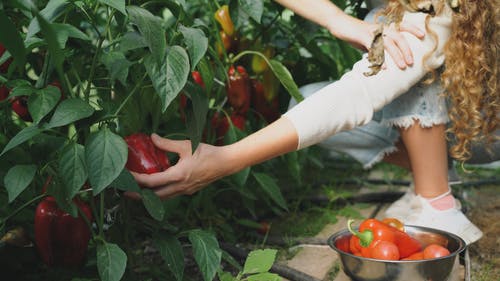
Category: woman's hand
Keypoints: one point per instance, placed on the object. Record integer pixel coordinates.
(191, 173)
(360, 35)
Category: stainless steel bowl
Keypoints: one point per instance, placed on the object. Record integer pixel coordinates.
(366, 269)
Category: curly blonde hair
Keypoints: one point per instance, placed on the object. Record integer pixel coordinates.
(470, 72)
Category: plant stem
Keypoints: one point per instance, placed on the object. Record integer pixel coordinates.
(101, 215)
(130, 94)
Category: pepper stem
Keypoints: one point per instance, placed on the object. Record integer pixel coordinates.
(365, 237)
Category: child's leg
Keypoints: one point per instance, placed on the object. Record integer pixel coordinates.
(434, 206)
(427, 153)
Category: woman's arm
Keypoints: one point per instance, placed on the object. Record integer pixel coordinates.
(209, 163)
(355, 31)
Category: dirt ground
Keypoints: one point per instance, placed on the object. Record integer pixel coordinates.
(484, 211)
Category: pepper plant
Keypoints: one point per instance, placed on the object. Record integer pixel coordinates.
(78, 76)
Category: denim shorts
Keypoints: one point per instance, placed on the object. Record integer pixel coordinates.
(369, 144)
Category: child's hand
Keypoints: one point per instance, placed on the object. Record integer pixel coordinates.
(395, 44)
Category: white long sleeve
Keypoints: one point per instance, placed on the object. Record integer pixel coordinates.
(351, 100)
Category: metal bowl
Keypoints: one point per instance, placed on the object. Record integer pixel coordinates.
(439, 269)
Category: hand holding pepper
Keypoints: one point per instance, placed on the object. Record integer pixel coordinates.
(143, 156)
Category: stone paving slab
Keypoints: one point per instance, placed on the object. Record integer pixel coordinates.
(319, 260)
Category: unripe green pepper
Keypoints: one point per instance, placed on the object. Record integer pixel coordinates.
(259, 64)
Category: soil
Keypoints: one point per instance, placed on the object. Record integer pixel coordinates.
(485, 213)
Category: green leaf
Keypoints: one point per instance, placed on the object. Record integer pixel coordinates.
(65, 31)
(69, 111)
(254, 8)
(196, 42)
(117, 4)
(226, 276)
(151, 29)
(197, 114)
(73, 168)
(22, 90)
(17, 179)
(23, 135)
(207, 253)
(117, 65)
(126, 182)
(42, 102)
(153, 204)
(271, 188)
(169, 79)
(111, 261)
(50, 37)
(52, 11)
(12, 40)
(259, 261)
(106, 155)
(266, 276)
(131, 41)
(171, 251)
(286, 79)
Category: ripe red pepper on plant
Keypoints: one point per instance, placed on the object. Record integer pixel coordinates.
(223, 17)
(61, 240)
(238, 89)
(4, 93)
(220, 124)
(269, 109)
(143, 156)
(20, 106)
(183, 100)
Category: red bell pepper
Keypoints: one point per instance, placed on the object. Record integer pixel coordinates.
(223, 17)
(4, 93)
(61, 240)
(143, 156)
(220, 124)
(373, 230)
(20, 106)
(238, 89)
(269, 109)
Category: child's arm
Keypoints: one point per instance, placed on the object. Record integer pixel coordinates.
(351, 101)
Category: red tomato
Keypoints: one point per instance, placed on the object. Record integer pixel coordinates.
(416, 256)
(343, 244)
(435, 251)
(384, 250)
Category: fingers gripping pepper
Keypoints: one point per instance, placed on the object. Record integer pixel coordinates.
(144, 156)
(61, 240)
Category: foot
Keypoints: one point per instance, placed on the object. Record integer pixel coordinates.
(451, 220)
(400, 209)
